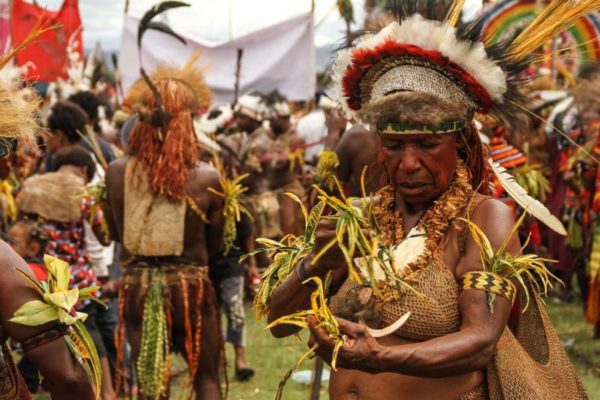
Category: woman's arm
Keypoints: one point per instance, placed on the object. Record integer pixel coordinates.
(292, 296)
(469, 349)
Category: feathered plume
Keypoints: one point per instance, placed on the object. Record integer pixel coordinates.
(528, 203)
(454, 12)
(147, 24)
(160, 117)
(556, 17)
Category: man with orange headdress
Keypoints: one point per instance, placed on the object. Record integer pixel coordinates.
(167, 220)
(160, 209)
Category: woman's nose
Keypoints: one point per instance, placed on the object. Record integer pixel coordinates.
(409, 161)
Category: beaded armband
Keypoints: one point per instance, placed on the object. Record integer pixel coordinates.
(490, 283)
(43, 338)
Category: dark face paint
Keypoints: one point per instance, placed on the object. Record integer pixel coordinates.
(421, 167)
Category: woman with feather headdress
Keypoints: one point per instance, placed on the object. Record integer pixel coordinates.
(470, 334)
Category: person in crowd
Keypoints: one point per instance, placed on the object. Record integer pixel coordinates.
(256, 158)
(227, 274)
(287, 161)
(93, 107)
(160, 209)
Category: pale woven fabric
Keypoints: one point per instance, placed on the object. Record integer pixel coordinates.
(55, 196)
(153, 224)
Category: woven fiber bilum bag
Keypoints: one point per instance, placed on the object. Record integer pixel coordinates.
(533, 365)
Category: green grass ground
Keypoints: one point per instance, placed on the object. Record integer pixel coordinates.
(272, 358)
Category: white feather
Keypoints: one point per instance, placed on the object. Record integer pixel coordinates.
(528, 203)
(429, 35)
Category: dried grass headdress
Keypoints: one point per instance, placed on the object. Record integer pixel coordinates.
(18, 100)
(421, 75)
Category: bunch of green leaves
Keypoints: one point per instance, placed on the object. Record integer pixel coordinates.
(325, 320)
(231, 190)
(525, 269)
(285, 254)
(326, 170)
(153, 361)
(352, 215)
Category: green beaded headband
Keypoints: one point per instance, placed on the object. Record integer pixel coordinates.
(418, 129)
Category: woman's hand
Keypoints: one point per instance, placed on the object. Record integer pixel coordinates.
(360, 350)
(333, 258)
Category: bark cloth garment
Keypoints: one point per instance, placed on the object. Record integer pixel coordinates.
(528, 365)
(153, 225)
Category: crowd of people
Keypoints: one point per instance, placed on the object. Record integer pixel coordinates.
(177, 210)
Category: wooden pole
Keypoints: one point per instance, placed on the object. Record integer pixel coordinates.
(315, 386)
(238, 67)
(126, 6)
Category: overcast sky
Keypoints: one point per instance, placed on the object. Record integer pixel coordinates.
(214, 20)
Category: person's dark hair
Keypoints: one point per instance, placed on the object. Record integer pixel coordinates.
(88, 101)
(76, 156)
(70, 119)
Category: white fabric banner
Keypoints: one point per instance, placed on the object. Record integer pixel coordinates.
(279, 57)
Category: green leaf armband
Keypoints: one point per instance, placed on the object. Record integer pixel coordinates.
(490, 283)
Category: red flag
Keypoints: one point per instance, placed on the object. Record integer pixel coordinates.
(49, 53)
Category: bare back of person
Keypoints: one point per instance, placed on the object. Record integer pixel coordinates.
(283, 175)
(196, 239)
(255, 159)
(200, 238)
(282, 172)
(359, 148)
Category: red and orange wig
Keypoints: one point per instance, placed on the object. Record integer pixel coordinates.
(167, 148)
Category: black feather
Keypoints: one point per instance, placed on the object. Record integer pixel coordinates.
(160, 117)
(153, 12)
(164, 28)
